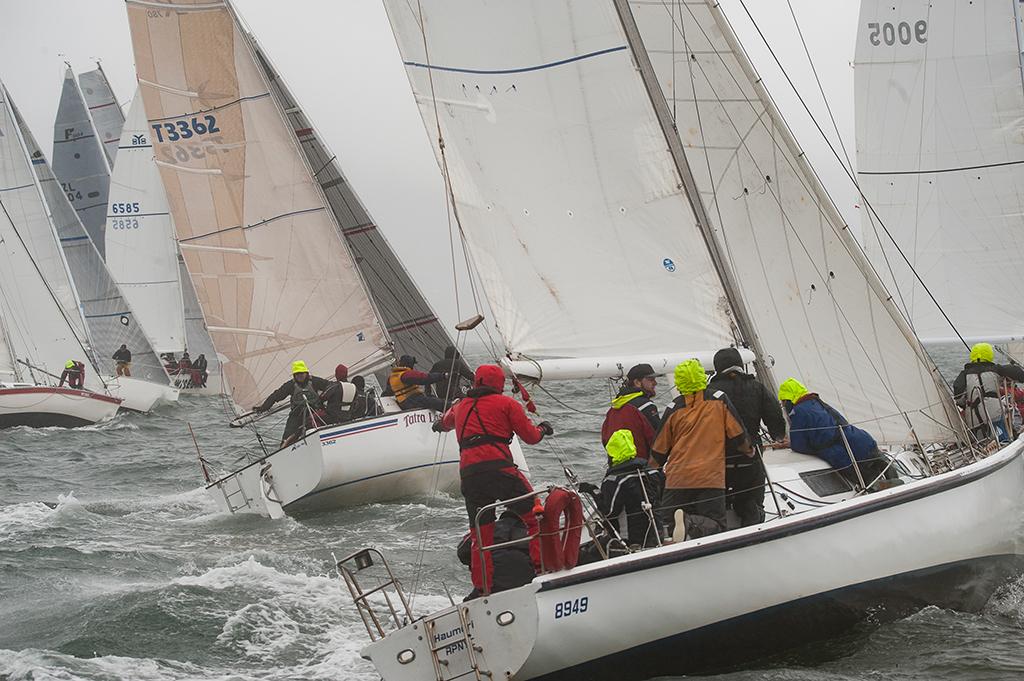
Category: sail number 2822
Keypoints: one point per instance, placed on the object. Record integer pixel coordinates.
(577, 606)
(185, 128)
(903, 32)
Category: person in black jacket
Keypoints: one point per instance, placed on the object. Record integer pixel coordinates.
(304, 391)
(123, 357)
(459, 376)
(977, 391)
(200, 367)
(754, 404)
(360, 408)
(629, 488)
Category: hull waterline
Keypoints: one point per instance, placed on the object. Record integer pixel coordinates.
(43, 406)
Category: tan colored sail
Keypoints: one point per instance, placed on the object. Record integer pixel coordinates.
(275, 281)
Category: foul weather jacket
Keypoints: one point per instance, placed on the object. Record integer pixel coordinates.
(484, 423)
(814, 429)
(753, 403)
(634, 411)
(625, 489)
(288, 389)
(405, 382)
(976, 390)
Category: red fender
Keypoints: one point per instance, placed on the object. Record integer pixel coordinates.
(560, 545)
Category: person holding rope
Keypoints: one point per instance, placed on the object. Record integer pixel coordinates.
(700, 429)
(817, 429)
(484, 424)
(406, 384)
(976, 390)
(304, 391)
(459, 375)
(745, 477)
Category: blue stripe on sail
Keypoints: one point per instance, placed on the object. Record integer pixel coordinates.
(65, 239)
(523, 69)
(111, 314)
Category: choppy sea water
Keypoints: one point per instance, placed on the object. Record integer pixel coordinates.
(135, 575)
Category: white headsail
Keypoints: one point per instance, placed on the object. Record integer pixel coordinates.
(142, 253)
(940, 150)
(577, 221)
(104, 109)
(79, 161)
(39, 329)
(274, 278)
(546, 97)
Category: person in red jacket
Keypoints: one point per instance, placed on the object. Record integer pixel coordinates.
(484, 423)
(633, 409)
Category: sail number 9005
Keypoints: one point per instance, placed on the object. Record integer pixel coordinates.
(901, 32)
(576, 606)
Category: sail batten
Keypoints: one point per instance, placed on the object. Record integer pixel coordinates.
(287, 273)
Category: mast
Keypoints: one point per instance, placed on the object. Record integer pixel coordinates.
(664, 115)
(832, 213)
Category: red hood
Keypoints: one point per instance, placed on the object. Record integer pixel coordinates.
(341, 372)
(491, 376)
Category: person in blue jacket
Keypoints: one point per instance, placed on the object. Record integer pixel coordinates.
(814, 429)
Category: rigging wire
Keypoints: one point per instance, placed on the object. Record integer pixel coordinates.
(849, 174)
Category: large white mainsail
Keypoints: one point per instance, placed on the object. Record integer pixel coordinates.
(274, 278)
(40, 330)
(540, 103)
(79, 161)
(104, 109)
(142, 253)
(411, 324)
(577, 221)
(940, 150)
(818, 309)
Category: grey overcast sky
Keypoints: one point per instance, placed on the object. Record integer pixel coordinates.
(340, 59)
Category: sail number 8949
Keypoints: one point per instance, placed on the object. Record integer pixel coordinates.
(576, 606)
(902, 33)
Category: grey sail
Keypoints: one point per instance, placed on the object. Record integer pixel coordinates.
(197, 338)
(109, 321)
(79, 161)
(104, 109)
(413, 327)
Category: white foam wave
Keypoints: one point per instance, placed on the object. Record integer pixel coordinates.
(33, 515)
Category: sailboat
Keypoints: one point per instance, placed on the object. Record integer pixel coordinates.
(104, 110)
(275, 277)
(143, 258)
(627, 186)
(939, 110)
(37, 337)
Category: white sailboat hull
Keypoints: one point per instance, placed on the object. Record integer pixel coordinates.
(139, 395)
(373, 460)
(43, 406)
(948, 540)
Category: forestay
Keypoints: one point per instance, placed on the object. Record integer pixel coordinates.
(142, 253)
(411, 323)
(104, 109)
(573, 210)
(109, 319)
(38, 330)
(79, 161)
(940, 149)
(272, 273)
(817, 307)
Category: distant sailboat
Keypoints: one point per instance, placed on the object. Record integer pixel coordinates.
(104, 110)
(627, 186)
(37, 336)
(143, 258)
(940, 150)
(274, 276)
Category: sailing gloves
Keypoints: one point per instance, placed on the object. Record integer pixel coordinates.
(546, 428)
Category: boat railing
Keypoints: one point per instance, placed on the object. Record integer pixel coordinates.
(398, 613)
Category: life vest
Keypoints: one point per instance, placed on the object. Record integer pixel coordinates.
(303, 394)
(981, 397)
(402, 391)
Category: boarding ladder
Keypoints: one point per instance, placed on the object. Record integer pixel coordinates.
(231, 496)
(448, 664)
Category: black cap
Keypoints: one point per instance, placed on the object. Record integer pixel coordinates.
(406, 361)
(727, 358)
(640, 371)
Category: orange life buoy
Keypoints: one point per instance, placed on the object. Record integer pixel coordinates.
(560, 545)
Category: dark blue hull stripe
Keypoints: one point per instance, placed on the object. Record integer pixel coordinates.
(522, 69)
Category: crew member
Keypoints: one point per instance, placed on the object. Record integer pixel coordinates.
(360, 402)
(484, 424)
(306, 406)
(629, 488)
(407, 386)
(633, 409)
(814, 428)
(453, 387)
(976, 390)
(754, 403)
(123, 357)
(74, 374)
(339, 397)
(700, 428)
(199, 367)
